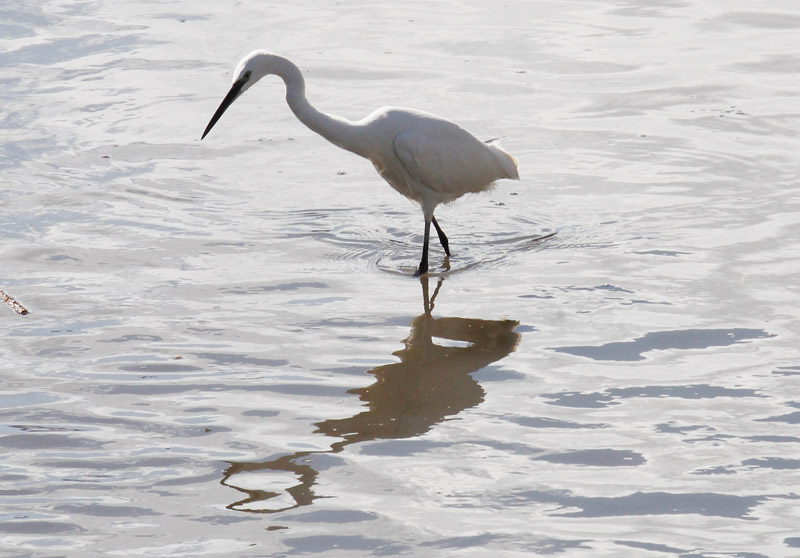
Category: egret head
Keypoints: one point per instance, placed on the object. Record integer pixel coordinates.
(250, 69)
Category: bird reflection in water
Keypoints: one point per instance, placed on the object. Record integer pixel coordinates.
(432, 381)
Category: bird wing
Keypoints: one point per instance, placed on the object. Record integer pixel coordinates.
(448, 159)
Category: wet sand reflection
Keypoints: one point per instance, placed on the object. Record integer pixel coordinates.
(432, 381)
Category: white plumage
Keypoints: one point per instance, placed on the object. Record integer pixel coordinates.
(426, 158)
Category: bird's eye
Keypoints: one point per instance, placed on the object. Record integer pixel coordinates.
(247, 74)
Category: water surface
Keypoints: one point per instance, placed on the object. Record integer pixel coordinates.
(225, 353)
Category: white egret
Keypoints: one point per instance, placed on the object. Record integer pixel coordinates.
(426, 158)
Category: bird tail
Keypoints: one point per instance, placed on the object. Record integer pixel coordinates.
(508, 163)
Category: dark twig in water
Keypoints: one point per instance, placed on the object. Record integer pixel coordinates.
(11, 302)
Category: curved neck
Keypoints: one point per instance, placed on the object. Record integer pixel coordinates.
(336, 130)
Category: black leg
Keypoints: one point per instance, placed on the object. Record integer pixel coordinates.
(423, 264)
(442, 237)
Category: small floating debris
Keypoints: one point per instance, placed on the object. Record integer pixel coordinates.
(13, 304)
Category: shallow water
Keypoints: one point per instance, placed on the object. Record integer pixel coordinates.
(225, 353)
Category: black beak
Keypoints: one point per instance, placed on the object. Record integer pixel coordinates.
(232, 95)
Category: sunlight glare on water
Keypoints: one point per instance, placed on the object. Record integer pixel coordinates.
(225, 352)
